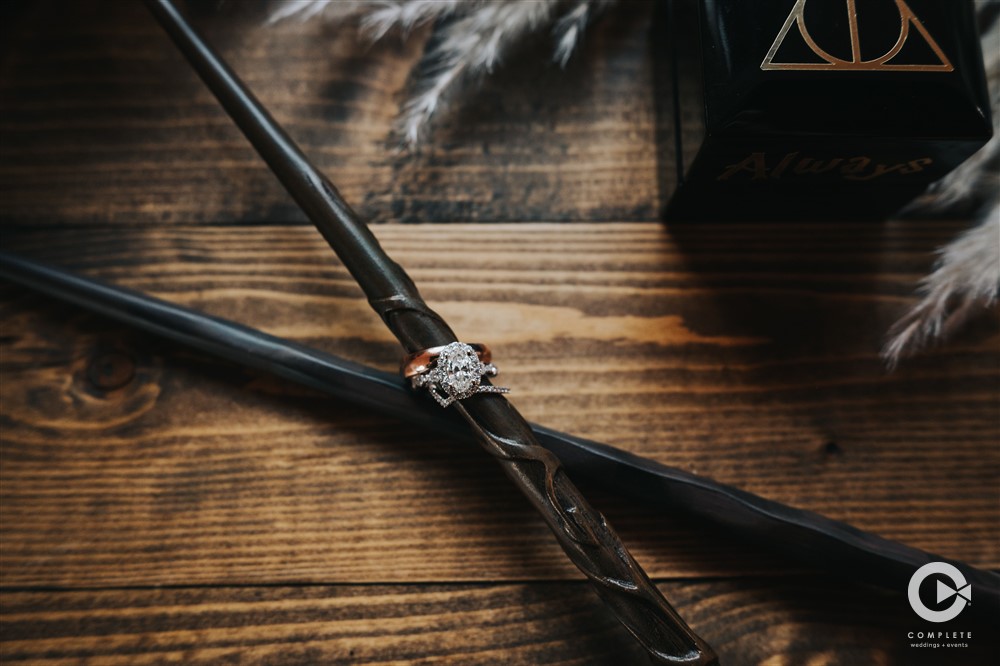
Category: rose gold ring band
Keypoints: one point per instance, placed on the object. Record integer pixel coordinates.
(419, 362)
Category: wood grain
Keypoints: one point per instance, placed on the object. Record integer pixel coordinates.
(157, 506)
(96, 105)
(756, 621)
(746, 354)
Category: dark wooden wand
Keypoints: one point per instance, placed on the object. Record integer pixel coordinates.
(813, 539)
(458, 376)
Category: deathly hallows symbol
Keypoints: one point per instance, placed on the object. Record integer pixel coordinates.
(910, 28)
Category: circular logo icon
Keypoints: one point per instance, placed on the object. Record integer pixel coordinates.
(959, 588)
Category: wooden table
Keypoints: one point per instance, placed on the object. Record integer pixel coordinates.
(159, 506)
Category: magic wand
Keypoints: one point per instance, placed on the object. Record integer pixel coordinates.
(455, 373)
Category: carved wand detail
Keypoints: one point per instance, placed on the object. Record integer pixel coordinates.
(582, 531)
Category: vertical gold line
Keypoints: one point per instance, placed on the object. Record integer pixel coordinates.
(852, 16)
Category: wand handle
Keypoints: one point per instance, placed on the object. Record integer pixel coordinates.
(582, 531)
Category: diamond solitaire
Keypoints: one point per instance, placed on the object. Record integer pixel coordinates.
(456, 373)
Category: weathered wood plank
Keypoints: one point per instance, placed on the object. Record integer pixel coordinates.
(96, 105)
(744, 353)
(756, 621)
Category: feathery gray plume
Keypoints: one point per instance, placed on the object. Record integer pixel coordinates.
(470, 45)
(303, 10)
(472, 37)
(379, 19)
(967, 275)
(569, 29)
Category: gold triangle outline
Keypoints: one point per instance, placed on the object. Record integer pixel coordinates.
(907, 18)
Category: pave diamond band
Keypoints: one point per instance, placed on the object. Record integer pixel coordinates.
(452, 372)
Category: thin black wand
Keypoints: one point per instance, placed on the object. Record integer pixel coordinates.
(583, 532)
(813, 539)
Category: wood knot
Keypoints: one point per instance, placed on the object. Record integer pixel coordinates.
(111, 370)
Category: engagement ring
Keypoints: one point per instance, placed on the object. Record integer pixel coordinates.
(452, 372)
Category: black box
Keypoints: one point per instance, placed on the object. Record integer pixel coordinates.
(826, 109)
